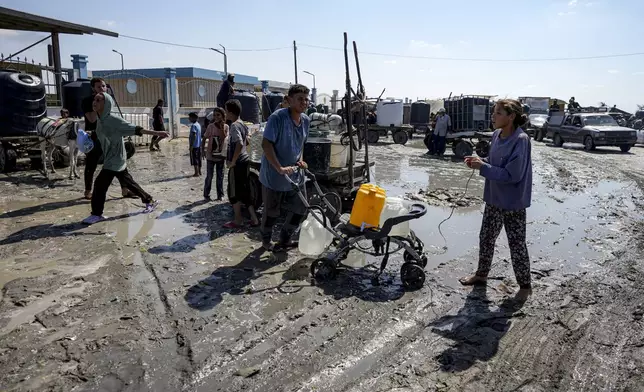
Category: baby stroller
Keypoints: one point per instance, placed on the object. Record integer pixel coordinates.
(347, 237)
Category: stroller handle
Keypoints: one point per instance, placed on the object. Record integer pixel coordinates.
(416, 211)
(303, 174)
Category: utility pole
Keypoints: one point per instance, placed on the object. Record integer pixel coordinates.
(225, 57)
(295, 59)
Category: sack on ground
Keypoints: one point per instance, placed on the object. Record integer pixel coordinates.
(84, 142)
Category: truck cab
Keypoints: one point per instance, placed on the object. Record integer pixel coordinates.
(589, 129)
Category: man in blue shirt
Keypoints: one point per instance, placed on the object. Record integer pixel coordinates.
(195, 143)
(284, 137)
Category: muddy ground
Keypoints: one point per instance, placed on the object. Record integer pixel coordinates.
(173, 302)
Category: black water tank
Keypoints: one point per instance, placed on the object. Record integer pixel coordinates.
(73, 94)
(420, 112)
(250, 106)
(23, 103)
(270, 102)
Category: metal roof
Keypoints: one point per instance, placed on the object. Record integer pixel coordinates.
(18, 20)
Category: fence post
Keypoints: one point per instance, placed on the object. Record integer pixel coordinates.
(172, 100)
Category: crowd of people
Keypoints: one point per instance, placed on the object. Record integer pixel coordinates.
(507, 170)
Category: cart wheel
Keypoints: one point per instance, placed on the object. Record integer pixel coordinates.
(323, 269)
(373, 137)
(463, 149)
(483, 148)
(412, 276)
(400, 137)
(410, 259)
(331, 195)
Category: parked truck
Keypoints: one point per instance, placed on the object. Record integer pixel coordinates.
(590, 129)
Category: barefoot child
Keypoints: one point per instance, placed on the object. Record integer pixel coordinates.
(110, 131)
(195, 143)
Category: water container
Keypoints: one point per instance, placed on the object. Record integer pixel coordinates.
(471, 113)
(250, 106)
(390, 113)
(367, 207)
(339, 154)
(73, 94)
(395, 206)
(23, 103)
(314, 238)
(420, 112)
(317, 154)
(270, 102)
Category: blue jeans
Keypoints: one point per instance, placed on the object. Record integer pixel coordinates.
(439, 145)
(210, 169)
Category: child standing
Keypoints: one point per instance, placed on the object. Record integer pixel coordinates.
(110, 131)
(238, 162)
(214, 149)
(195, 143)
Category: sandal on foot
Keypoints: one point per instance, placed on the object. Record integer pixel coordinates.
(473, 280)
(231, 225)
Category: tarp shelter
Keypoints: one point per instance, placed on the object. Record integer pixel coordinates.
(22, 21)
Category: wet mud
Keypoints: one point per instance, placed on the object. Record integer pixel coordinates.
(171, 301)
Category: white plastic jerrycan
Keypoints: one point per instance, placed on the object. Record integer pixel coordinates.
(395, 206)
(314, 238)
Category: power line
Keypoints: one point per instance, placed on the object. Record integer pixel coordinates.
(202, 47)
(488, 60)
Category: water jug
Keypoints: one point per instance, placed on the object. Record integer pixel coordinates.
(314, 238)
(394, 206)
(367, 207)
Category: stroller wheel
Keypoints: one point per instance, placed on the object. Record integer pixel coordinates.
(410, 259)
(323, 269)
(412, 276)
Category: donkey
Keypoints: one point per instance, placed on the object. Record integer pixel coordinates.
(58, 133)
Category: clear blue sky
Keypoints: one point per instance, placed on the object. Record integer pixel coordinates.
(501, 29)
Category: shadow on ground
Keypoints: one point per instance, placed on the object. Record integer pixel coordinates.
(476, 330)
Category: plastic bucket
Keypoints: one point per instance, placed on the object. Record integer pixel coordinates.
(339, 155)
(317, 154)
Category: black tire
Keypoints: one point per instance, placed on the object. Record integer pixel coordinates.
(589, 144)
(400, 137)
(412, 276)
(323, 269)
(409, 259)
(130, 150)
(331, 195)
(463, 149)
(373, 137)
(557, 140)
(3, 158)
(538, 135)
(483, 148)
(625, 148)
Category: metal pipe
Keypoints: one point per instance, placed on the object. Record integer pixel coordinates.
(58, 71)
(348, 112)
(307, 72)
(363, 113)
(295, 59)
(27, 48)
(120, 54)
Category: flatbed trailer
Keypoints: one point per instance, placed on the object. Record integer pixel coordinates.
(400, 135)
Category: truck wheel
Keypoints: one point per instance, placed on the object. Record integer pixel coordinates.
(463, 149)
(483, 148)
(400, 137)
(538, 135)
(373, 137)
(625, 147)
(558, 141)
(589, 145)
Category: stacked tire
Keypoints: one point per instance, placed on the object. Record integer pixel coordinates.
(23, 103)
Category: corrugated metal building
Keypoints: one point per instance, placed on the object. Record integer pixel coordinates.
(197, 87)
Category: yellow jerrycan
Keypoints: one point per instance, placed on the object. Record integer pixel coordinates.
(367, 207)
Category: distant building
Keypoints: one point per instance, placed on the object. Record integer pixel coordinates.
(276, 87)
(197, 87)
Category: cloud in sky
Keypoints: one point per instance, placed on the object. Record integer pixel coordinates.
(108, 23)
(566, 13)
(390, 61)
(572, 3)
(416, 44)
(613, 71)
